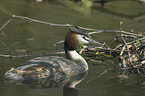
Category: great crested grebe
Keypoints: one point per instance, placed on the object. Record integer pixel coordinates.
(55, 67)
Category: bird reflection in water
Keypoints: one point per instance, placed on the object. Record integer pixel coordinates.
(70, 91)
(68, 83)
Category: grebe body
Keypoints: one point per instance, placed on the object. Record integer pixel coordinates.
(55, 68)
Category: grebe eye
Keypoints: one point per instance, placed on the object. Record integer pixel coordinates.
(86, 38)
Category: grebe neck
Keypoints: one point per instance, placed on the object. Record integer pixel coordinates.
(74, 56)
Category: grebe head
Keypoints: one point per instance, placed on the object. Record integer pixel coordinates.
(76, 37)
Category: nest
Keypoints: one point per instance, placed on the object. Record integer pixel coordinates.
(130, 52)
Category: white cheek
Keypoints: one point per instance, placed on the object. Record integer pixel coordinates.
(81, 40)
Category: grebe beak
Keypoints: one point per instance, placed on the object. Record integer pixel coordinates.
(91, 41)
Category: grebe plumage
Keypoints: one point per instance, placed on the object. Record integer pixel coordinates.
(54, 67)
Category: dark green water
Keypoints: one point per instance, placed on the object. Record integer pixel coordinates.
(19, 38)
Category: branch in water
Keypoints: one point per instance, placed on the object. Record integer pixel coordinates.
(99, 75)
(65, 25)
(21, 56)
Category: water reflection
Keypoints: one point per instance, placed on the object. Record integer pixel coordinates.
(66, 83)
(70, 91)
(135, 17)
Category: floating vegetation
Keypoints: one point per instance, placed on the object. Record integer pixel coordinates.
(130, 52)
(134, 57)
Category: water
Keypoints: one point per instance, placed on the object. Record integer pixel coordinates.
(20, 38)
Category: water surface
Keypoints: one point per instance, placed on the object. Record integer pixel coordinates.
(24, 37)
